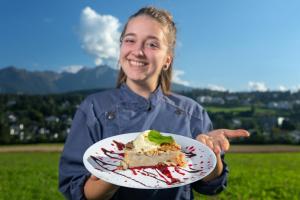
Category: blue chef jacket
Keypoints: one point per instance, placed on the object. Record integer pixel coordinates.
(119, 111)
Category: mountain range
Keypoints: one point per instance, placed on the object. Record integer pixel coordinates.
(21, 81)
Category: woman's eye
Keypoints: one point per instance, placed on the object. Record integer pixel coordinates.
(128, 41)
(152, 45)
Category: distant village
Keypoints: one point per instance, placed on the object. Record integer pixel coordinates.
(271, 117)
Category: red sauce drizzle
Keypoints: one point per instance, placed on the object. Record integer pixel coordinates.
(191, 148)
(120, 145)
(178, 171)
(189, 154)
(111, 153)
(165, 172)
(103, 165)
(133, 171)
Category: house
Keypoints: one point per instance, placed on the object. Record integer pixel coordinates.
(236, 122)
(12, 118)
(44, 131)
(285, 105)
(52, 119)
(16, 129)
(209, 99)
(204, 99)
(280, 121)
(11, 103)
(232, 98)
(295, 135)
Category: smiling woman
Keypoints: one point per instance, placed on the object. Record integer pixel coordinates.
(142, 101)
(148, 39)
(143, 55)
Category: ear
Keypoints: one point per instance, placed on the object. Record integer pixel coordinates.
(168, 61)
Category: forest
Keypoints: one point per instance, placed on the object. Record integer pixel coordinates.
(271, 117)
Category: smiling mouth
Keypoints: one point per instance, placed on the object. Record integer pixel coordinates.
(137, 63)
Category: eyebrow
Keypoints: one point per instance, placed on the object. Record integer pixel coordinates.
(148, 37)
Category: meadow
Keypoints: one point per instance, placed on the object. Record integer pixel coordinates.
(29, 176)
(33, 175)
(262, 176)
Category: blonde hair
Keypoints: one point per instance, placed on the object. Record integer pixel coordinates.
(166, 20)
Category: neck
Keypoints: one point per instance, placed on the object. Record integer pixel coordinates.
(141, 89)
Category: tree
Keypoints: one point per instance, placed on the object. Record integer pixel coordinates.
(288, 125)
(4, 134)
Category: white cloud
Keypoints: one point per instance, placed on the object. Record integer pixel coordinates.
(216, 88)
(282, 88)
(296, 88)
(257, 86)
(177, 79)
(100, 36)
(72, 68)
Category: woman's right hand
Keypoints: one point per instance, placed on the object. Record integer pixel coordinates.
(96, 188)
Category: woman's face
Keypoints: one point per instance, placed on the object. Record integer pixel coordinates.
(144, 51)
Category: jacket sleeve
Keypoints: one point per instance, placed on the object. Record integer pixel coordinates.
(72, 172)
(202, 124)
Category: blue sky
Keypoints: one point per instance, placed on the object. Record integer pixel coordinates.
(233, 45)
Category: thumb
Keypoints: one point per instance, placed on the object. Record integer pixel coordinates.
(94, 178)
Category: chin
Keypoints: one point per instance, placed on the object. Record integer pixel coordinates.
(137, 78)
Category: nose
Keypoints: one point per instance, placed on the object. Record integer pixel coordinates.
(139, 50)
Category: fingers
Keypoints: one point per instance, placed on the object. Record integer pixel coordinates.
(205, 139)
(217, 148)
(217, 144)
(235, 133)
(223, 143)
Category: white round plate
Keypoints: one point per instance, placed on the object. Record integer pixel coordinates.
(103, 158)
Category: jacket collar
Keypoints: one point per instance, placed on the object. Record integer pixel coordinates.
(132, 100)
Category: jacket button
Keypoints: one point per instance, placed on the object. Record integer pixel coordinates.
(178, 112)
(110, 115)
(149, 107)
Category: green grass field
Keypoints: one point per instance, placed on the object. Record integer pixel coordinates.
(25, 176)
(215, 109)
(29, 176)
(258, 110)
(262, 176)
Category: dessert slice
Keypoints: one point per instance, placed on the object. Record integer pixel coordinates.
(151, 149)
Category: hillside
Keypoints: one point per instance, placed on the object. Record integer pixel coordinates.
(20, 81)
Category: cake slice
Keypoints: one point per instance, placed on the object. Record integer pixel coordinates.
(151, 149)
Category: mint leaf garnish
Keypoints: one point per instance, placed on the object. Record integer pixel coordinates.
(158, 138)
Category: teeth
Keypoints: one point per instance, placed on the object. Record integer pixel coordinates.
(137, 63)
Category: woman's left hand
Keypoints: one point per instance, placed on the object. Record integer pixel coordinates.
(218, 140)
